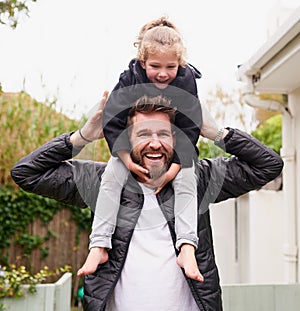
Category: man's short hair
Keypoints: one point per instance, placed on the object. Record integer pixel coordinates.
(149, 104)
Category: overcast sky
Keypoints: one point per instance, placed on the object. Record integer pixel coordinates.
(74, 50)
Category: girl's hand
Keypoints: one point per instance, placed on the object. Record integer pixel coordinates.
(138, 170)
(167, 177)
(162, 181)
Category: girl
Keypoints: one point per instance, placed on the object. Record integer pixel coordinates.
(159, 68)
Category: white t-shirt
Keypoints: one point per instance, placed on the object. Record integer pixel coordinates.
(151, 279)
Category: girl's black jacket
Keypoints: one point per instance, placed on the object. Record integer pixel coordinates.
(133, 83)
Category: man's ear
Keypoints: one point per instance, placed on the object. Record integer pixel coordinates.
(174, 138)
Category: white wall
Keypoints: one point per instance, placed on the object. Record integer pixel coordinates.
(222, 220)
(248, 238)
(266, 237)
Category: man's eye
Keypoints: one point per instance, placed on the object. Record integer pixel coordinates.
(164, 135)
(144, 135)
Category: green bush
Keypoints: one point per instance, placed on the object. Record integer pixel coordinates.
(207, 149)
(12, 279)
(270, 133)
(26, 124)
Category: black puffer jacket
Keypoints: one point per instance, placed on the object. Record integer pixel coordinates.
(133, 83)
(46, 172)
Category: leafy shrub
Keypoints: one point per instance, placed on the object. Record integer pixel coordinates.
(270, 133)
(26, 124)
(12, 279)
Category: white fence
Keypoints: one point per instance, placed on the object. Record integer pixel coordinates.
(261, 297)
(48, 297)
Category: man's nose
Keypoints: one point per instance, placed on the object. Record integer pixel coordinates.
(154, 142)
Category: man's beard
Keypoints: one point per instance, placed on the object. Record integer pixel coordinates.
(155, 171)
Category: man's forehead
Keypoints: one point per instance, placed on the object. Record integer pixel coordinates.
(154, 121)
(154, 117)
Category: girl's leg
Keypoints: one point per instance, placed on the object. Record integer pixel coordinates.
(108, 202)
(186, 215)
(105, 216)
(185, 208)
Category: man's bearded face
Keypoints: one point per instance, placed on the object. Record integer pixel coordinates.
(152, 142)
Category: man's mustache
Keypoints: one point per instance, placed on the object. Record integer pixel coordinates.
(153, 173)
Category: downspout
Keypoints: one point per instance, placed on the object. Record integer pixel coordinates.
(290, 249)
(252, 99)
(288, 154)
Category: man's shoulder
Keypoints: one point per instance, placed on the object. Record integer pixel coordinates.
(203, 167)
(88, 167)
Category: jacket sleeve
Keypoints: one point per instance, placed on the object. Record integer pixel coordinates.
(116, 113)
(250, 167)
(47, 172)
(188, 123)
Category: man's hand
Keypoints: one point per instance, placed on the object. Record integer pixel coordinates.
(209, 127)
(92, 129)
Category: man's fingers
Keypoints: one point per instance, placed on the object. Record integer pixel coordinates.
(103, 100)
(99, 112)
(105, 94)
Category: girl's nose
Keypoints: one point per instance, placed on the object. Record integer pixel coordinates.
(162, 73)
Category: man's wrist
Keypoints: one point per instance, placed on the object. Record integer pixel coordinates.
(84, 138)
(77, 140)
(221, 134)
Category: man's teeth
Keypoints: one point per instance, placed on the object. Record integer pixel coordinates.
(153, 155)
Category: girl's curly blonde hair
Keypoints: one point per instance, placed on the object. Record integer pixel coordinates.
(160, 35)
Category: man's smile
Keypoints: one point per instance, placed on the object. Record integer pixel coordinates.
(154, 156)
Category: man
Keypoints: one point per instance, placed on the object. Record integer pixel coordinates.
(141, 273)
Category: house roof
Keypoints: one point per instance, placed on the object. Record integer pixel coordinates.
(275, 67)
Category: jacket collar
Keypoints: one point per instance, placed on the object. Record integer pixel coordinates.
(185, 78)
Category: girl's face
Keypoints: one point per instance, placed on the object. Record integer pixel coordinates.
(161, 68)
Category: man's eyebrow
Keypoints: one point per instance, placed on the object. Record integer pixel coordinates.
(150, 130)
(145, 129)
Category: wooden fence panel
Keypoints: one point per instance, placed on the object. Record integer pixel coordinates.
(65, 246)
